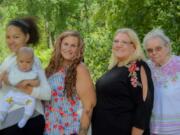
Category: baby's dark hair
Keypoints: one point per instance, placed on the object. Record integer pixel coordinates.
(27, 26)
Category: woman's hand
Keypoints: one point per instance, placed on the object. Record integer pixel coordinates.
(4, 78)
(137, 131)
(25, 87)
(23, 83)
(32, 83)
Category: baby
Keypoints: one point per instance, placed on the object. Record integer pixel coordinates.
(21, 72)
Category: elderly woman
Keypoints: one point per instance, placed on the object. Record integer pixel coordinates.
(166, 76)
(125, 92)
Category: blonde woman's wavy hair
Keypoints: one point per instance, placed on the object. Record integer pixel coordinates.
(138, 53)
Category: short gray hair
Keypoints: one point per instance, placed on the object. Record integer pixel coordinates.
(157, 33)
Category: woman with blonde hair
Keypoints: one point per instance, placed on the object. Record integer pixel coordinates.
(125, 92)
(73, 95)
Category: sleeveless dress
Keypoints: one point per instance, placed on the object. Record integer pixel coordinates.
(166, 112)
(62, 114)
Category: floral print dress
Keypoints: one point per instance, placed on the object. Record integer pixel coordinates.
(62, 114)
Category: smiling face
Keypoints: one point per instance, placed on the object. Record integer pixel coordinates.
(122, 46)
(157, 50)
(69, 48)
(15, 38)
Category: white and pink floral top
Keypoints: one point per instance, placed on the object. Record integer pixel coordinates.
(166, 111)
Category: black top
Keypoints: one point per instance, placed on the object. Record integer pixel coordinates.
(120, 104)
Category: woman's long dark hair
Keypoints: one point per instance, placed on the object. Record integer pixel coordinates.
(28, 26)
(57, 59)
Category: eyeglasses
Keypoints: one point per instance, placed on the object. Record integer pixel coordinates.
(123, 43)
(156, 49)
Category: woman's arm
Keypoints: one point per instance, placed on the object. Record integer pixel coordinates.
(7, 63)
(135, 130)
(43, 91)
(4, 78)
(143, 98)
(86, 92)
(1, 80)
(32, 83)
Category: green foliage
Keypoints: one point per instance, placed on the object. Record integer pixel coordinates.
(44, 55)
(97, 52)
(96, 20)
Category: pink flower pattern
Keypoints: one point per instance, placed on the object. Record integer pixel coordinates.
(61, 113)
(167, 74)
(133, 68)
